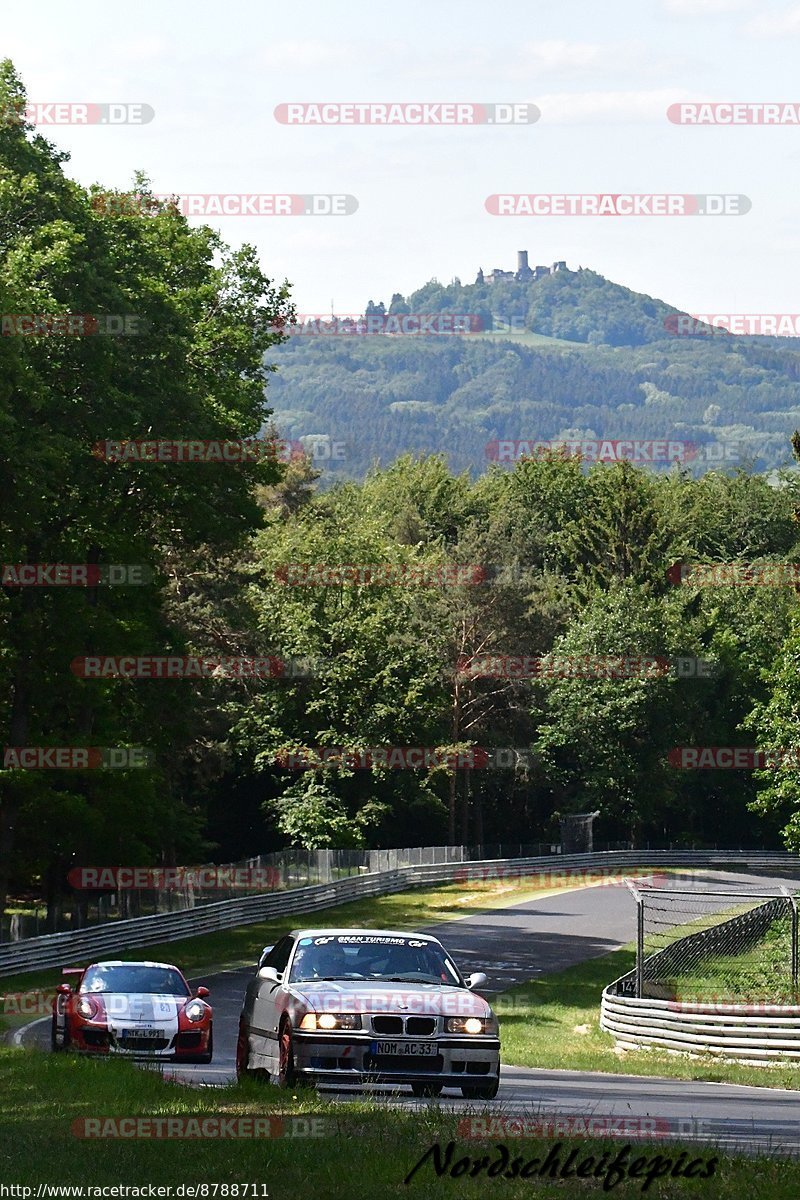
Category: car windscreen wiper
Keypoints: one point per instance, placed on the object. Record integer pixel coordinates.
(409, 977)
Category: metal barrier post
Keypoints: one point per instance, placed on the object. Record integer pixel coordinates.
(793, 901)
(639, 937)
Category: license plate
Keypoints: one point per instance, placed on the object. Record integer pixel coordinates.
(415, 1049)
(140, 1035)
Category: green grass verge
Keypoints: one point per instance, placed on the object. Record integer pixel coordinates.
(554, 1022)
(365, 1151)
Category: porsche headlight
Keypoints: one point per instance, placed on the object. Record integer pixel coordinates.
(195, 1010)
(86, 1007)
(471, 1025)
(327, 1021)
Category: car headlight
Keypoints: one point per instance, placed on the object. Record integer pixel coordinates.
(195, 1010)
(471, 1025)
(86, 1007)
(331, 1021)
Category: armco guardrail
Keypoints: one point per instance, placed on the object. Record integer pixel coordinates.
(758, 1034)
(77, 946)
(741, 1032)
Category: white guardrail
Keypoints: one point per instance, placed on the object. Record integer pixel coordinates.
(738, 1032)
(744, 1032)
(78, 946)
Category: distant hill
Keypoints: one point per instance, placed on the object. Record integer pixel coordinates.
(568, 356)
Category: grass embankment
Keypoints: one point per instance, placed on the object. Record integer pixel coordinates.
(759, 975)
(365, 1150)
(554, 1022)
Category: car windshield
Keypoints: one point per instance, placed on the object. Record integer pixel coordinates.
(133, 977)
(373, 956)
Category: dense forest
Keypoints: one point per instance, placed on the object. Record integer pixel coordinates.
(428, 574)
(568, 356)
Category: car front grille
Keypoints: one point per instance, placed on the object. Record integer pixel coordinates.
(387, 1024)
(142, 1045)
(420, 1026)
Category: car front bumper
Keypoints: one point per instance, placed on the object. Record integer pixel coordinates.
(98, 1040)
(348, 1057)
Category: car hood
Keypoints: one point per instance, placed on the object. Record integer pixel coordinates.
(372, 996)
(139, 1006)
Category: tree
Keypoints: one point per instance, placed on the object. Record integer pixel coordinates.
(203, 318)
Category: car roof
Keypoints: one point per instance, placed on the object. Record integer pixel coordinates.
(336, 931)
(119, 962)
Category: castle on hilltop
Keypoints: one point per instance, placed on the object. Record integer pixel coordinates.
(523, 273)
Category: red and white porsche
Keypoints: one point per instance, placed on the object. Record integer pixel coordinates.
(133, 1009)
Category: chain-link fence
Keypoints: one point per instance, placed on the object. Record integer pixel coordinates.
(98, 895)
(729, 946)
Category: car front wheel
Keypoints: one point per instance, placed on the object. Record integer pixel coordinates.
(286, 1071)
(427, 1089)
(484, 1091)
(242, 1052)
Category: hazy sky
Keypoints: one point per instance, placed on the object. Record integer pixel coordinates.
(602, 73)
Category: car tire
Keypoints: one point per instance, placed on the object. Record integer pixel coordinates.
(286, 1077)
(57, 1046)
(480, 1091)
(427, 1089)
(242, 1052)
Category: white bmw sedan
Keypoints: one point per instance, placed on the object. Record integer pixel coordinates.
(349, 1006)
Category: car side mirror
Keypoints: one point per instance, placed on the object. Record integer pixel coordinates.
(63, 989)
(269, 973)
(202, 992)
(476, 980)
